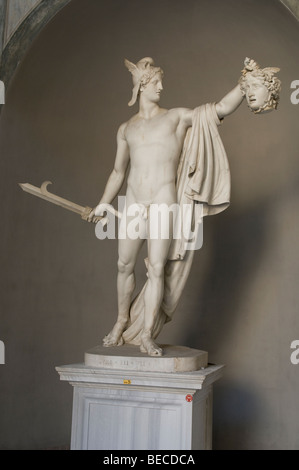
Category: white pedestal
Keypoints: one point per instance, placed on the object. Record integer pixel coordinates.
(137, 410)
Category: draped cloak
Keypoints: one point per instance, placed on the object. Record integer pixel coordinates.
(203, 181)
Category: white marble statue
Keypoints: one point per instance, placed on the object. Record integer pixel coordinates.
(260, 86)
(175, 156)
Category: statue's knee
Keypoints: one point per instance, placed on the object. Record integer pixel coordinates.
(156, 270)
(124, 268)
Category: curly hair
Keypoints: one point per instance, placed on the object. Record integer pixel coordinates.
(149, 70)
(267, 78)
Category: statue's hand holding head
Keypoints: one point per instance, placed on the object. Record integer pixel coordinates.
(260, 86)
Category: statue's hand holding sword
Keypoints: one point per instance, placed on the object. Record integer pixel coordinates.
(98, 214)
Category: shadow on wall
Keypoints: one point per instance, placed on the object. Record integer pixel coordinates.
(235, 405)
(243, 306)
(237, 244)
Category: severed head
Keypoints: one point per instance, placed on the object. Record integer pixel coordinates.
(260, 86)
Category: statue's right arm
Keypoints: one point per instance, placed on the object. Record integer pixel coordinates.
(117, 176)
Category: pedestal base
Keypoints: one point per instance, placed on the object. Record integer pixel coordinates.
(129, 357)
(138, 410)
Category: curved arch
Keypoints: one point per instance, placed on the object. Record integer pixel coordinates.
(293, 6)
(19, 43)
(16, 48)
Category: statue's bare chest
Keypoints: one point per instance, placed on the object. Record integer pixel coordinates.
(150, 131)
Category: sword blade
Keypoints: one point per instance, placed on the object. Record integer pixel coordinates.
(43, 193)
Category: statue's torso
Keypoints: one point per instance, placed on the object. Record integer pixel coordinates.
(155, 146)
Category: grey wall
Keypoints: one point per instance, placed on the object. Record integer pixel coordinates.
(58, 294)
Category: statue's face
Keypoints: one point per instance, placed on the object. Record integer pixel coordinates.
(153, 89)
(257, 94)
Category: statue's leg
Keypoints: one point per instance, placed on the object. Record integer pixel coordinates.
(157, 256)
(128, 250)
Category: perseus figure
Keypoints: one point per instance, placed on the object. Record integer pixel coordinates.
(176, 156)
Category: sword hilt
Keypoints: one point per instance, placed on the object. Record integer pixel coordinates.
(85, 214)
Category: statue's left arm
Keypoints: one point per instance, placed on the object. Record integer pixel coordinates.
(229, 102)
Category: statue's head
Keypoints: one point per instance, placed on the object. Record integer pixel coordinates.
(260, 86)
(142, 74)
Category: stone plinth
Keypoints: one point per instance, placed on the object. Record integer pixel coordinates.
(129, 357)
(140, 410)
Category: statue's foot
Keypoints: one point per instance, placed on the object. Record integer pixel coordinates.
(114, 338)
(149, 347)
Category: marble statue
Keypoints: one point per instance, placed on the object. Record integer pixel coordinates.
(176, 156)
(260, 86)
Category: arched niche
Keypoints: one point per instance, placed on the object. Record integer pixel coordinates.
(34, 20)
(19, 28)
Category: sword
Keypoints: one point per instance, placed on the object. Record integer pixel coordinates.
(43, 193)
